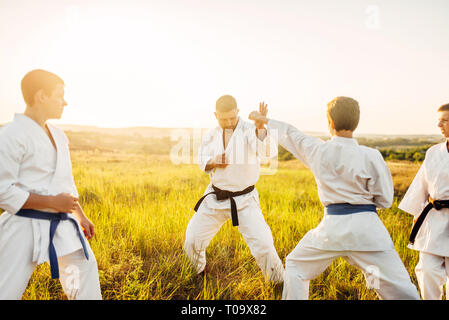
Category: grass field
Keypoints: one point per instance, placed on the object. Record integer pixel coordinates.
(141, 206)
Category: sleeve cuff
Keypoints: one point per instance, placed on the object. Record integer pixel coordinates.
(409, 210)
(270, 124)
(19, 200)
(203, 163)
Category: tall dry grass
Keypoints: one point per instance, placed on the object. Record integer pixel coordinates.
(141, 206)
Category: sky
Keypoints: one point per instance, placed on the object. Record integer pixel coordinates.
(165, 63)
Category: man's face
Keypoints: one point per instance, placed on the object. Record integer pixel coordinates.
(443, 123)
(53, 105)
(229, 119)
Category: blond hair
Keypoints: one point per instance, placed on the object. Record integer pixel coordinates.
(225, 103)
(345, 113)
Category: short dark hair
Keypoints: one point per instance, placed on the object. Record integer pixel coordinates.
(345, 112)
(36, 80)
(444, 107)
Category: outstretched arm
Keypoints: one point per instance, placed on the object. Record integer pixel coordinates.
(302, 146)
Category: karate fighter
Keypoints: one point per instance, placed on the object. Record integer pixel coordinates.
(231, 154)
(428, 200)
(43, 220)
(352, 181)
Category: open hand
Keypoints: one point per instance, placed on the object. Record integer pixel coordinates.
(263, 109)
(88, 227)
(259, 117)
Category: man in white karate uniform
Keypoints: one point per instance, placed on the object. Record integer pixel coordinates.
(231, 154)
(352, 181)
(42, 220)
(427, 199)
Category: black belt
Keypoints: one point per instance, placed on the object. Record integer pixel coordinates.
(437, 204)
(223, 195)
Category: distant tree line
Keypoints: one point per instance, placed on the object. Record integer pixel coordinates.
(409, 154)
(391, 148)
(406, 150)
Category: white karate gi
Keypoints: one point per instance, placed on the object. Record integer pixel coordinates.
(244, 152)
(30, 164)
(432, 240)
(345, 173)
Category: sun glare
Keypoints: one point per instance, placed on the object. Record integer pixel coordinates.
(164, 64)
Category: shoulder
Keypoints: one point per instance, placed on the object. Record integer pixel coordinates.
(14, 139)
(370, 151)
(435, 148)
(12, 131)
(372, 154)
(210, 134)
(246, 125)
(7, 129)
(248, 128)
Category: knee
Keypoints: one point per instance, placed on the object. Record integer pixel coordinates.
(428, 268)
(298, 270)
(190, 243)
(263, 249)
(290, 262)
(87, 265)
(92, 263)
(291, 274)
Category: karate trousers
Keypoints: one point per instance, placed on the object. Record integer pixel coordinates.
(78, 276)
(383, 271)
(205, 224)
(432, 272)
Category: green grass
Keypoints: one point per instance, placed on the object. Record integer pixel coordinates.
(141, 206)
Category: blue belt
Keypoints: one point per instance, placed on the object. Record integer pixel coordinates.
(54, 218)
(347, 208)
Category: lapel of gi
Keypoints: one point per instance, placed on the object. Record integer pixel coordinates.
(60, 157)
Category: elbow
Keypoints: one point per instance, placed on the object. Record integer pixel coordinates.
(383, 203)
(13, 202)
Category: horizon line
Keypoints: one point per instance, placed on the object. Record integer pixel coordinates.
(320, 133)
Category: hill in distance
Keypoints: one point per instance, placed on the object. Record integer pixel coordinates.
(159, 132)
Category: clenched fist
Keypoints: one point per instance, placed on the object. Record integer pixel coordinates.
(64, 202)
(218, 162)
